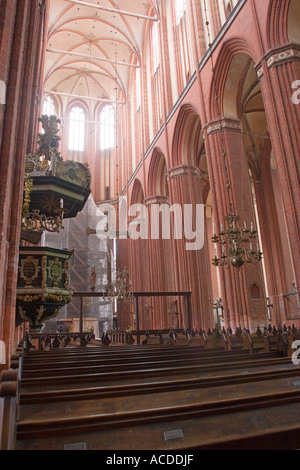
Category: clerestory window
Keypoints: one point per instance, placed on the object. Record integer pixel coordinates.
(76, 129)
(180, 7)
(107, 127)
(49, 107)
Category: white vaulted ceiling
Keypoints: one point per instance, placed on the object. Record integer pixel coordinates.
(92, 45)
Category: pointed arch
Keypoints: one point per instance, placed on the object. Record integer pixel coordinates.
(137, 194)
(187, 139)
(293, 22)
(230, 48)
(157, 176)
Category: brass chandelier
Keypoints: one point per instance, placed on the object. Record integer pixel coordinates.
(119, 289)
(236, 243)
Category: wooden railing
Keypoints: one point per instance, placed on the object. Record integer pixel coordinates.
(55, 340)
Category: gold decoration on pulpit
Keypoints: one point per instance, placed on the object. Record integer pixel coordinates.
(55, 271)
(43, 284)
(49, 140)
(74, 172)
(29, 270)
(32, 220)
(54, 189)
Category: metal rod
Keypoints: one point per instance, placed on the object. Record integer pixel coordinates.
(136, 305)
(94, 57)
(113, 10)
(81, 316)
(106, 100)
(188, 311)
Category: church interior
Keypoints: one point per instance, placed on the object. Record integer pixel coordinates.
(149, 224)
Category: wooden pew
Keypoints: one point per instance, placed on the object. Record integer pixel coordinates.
(87, 378)
(163, 384)
(236, 342)
(257, 343)
(178, 398)
(151, 423)
(134, 365)
(70, 356)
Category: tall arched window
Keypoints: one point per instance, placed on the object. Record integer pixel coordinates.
(180, 7)
(76, 129)
(183, 44)
(155, 47)
(107, 127)
(49, 107)
(156, 78)
(138, 88)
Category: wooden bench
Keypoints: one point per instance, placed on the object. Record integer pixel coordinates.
(41, 360)
(87, 378)
(102, 365)
(198, 424)
(175, 398)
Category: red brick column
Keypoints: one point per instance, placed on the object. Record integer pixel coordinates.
(278, 70)
(240, 309)
(192, 272)
(161, 261)
(23, 32)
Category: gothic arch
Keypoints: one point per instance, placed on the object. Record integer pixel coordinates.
(187, 139)
(232, 47)
(157, 175)
(255, 291)
(137, 194)
(242, 100)
(81, 104)
(293, 22)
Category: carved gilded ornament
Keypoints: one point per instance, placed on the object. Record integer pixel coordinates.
(55, 271)
(29, 298)
(34, 166)
(45, 297)
(74, 172)
(49, 140)
(29, 270)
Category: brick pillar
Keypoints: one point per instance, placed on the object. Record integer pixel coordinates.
(192, 272)
(277, 71)
(240, 308)
(161, 261)
(24, 38)
(271, 246)
(7, 21)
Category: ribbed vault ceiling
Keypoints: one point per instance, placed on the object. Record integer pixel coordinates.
(92, 45)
